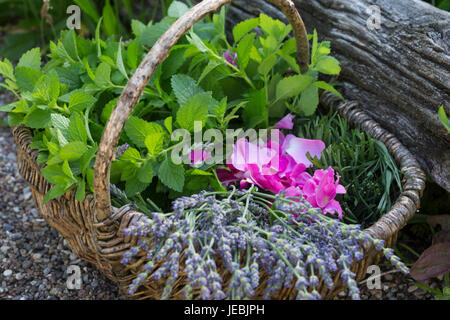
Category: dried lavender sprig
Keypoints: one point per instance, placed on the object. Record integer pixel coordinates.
(278, 249)
(120, 150)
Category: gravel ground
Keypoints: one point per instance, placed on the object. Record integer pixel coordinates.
(34, 258)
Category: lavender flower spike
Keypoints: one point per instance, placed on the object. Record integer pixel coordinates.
(120, 150)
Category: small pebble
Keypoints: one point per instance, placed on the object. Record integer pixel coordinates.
(8, 228)
(7, 273)
(388, 277)
(412, 289)
(36, 256)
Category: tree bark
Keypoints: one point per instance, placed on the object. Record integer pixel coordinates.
(400, 73)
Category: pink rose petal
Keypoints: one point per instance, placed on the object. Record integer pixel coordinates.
(298, 147)
(286, 122)
(332, 207)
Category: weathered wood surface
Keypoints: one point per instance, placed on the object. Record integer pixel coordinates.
(400, 73)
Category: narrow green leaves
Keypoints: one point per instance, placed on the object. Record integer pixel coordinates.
(89, 9)
(109, 19)
(119, 61)
(443, 118)
(133, 53)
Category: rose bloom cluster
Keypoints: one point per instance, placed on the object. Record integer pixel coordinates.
(280, 166)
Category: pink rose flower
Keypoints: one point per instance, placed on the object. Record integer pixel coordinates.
(321, 189)
(280, 165)
(275, 166)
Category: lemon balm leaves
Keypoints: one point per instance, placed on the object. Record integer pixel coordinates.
(61, 177)
(309, 100)
(38, 118)
(326, 86)
(154, 142)
(328, 65)
(31, 59)
(72, 98)
(171, 175)
(7, 69)
(244, 27)
(103, 75)
(76, 130)
(138, 129)
(177, 9)
(80, 101)
(195, 109)
(47, 88)
(73, 151)
(292, 86)
(184, 87)
(153, 32)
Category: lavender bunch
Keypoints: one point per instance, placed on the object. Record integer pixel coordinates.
(119, 198)
(120, 150)
(250, 232)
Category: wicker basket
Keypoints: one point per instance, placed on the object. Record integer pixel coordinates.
(94, 229)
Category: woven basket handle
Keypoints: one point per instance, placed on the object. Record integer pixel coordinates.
(132, 92)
